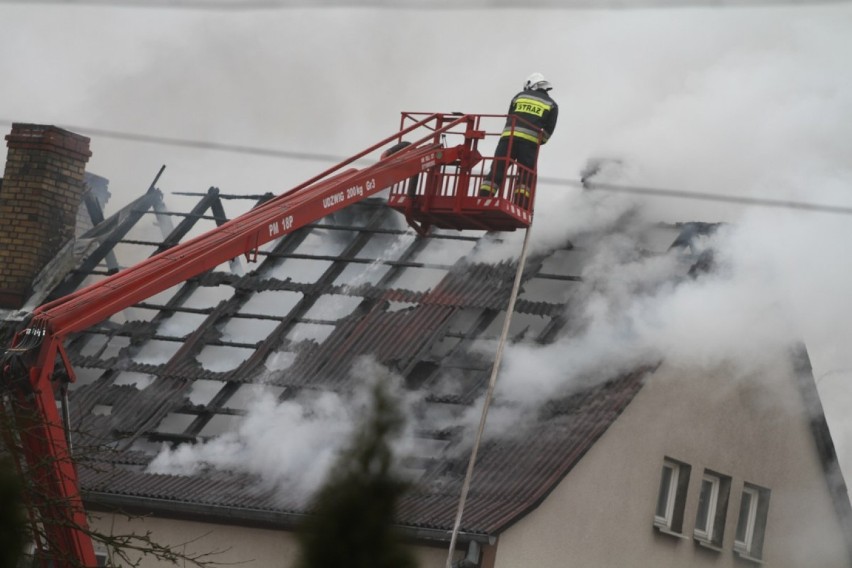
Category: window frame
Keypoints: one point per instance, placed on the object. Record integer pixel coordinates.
(750, 546)
(671, 521)
(708, 516)
(670, 494)
(30, 557)
(716, 511)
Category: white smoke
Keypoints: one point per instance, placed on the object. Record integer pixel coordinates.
(289, 444)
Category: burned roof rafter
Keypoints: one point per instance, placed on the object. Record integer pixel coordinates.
(107, 234)
(426, 334)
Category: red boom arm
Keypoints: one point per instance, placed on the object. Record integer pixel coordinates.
(28, 366)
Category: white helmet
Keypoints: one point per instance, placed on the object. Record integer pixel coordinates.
(537, 81)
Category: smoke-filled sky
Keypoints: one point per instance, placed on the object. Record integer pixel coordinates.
(751, 101)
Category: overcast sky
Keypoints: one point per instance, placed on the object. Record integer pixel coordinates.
(752, 101)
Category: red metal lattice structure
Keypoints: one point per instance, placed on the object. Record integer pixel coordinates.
(432, 182)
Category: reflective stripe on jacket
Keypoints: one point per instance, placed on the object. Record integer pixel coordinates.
(532, 107)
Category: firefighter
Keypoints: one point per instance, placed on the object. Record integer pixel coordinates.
(529, 110)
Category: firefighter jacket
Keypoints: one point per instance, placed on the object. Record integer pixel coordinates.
(534, 109)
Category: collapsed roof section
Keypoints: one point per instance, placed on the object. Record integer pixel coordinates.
(182, 366)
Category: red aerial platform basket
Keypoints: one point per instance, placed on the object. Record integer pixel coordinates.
(446, 195)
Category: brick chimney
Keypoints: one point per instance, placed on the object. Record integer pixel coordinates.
(39, 198)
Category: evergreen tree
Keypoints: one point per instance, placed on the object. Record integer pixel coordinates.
(12, 521)
(353, 513)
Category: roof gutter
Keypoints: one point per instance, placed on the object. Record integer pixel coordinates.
(257, 518)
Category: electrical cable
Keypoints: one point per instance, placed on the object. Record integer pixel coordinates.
(581, 184)
(255, 5)
(703, 196)
(200, 144)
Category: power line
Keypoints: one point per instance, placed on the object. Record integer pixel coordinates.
(587, 185)
(251, 5)
(199, 144)
(682, 194)
(253, 150)
(169, 4)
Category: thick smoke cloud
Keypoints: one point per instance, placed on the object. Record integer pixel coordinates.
(290, 444)
(305, 434)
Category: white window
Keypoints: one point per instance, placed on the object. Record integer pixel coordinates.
(751, 522)
(31, 557)
(101, 556)
(712, 508)
(671, 499)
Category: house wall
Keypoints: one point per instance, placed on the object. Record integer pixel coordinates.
(752, 430)
(243, 546)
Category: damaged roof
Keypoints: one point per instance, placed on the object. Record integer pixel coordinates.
(179, 367)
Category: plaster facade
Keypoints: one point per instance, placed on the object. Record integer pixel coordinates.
(227, 544)
(753, 429)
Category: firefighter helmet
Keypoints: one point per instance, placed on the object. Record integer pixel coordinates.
(537, 81)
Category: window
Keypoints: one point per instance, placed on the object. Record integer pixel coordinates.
(712, 508)
(671, 499)
(32, 558)
(751, 522)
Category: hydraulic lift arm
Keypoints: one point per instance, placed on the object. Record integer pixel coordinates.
(30, 376)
